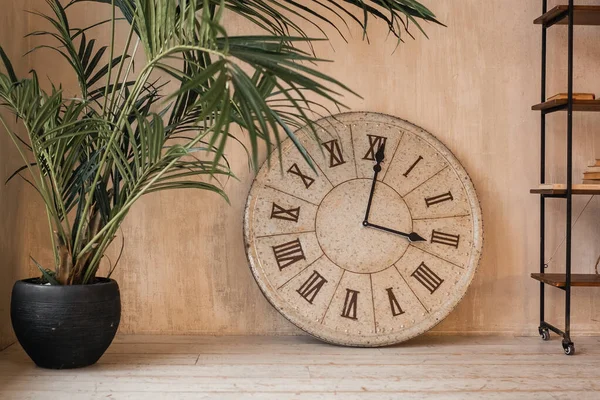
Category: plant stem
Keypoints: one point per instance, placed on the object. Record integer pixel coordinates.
(110, 58)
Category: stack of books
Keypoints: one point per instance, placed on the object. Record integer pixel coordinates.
(592, 173)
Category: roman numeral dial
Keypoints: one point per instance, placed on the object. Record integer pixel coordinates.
(413, 165)
(448, 238)
(367, 138)
(288, 253)
(394, 305)
(278, 212)
(306, 179)
(333, 154)
(441, 195)
(445, 239)
(426, 277)
(352, 277)
(336, 157)
(350, 304)
(375, 142)
(440, 198)
(312, 286)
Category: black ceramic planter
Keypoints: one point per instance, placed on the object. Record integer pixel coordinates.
(65, 326)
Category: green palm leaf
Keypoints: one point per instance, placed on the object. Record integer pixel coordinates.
(128, 133)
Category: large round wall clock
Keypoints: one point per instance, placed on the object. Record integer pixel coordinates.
(378, 244)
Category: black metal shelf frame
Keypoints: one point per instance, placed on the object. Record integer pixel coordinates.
(544, 327)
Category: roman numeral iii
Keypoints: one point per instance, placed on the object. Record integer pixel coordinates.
(311, 288)
(288, 253)
(336, 157)
(295, 170)
(350, 304)
(427, 278)
(279, 212)
(445, 238)
(375, 143)
(394, 305)
(430, 201)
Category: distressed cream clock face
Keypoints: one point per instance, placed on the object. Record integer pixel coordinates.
(351, 284)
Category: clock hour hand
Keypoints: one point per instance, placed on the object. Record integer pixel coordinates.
(377, 168)
(413, 237)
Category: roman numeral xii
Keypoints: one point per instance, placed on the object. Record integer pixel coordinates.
(375, 143)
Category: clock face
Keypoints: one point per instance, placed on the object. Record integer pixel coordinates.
(359, 283)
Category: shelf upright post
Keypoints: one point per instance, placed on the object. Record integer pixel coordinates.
(543, 168)
(567, 333)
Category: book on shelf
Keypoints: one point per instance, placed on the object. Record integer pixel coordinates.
(592, 169)
(594, 163)
(562, 186)
(576, 96)
(591, 182)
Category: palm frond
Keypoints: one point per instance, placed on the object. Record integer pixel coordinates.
(126, 134)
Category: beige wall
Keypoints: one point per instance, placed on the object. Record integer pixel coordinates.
(472, 85)
(14, 203)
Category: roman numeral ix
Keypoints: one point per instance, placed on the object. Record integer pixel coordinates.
(279, 212)
(430, 201)
(427, 278)
(350, 304)
(445, 238)
(394, 305)
(335, 153)
(375, 143)
(295, 170)
(288, 253)
(311, 288)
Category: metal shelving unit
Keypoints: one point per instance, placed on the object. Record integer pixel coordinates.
(569, 15)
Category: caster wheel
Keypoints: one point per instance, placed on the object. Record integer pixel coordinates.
(569, 349)
(545, 334)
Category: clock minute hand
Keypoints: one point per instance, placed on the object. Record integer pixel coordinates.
(379, 156)
(413, 237)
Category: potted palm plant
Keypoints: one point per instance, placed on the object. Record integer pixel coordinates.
(127, 133)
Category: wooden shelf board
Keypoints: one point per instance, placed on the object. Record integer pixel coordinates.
(560, 188)
(559, 280)
(578, 105)
(582, 15)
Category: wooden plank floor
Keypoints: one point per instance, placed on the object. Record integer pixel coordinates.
(280, 368)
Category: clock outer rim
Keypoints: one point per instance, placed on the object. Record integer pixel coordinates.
(474, 260)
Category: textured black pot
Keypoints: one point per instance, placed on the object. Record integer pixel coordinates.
(65, 326)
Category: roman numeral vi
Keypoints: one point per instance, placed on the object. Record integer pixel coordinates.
(350, 304)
